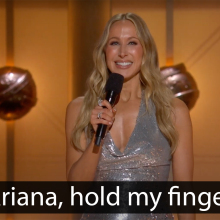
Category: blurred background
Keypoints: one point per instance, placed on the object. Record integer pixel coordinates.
(54, 39)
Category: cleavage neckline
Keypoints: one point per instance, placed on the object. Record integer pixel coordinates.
(132, 133)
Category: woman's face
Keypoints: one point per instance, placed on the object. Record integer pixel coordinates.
(123, 49)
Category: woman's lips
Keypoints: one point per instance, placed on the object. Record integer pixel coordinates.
(123, 65)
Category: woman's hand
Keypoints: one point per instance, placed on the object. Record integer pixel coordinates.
(76, 161)
(106, 115)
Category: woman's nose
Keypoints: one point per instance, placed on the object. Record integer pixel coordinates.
(123, 51)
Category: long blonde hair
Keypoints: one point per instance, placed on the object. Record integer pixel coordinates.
(150, 78)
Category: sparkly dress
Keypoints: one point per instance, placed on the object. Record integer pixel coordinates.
(147, 157)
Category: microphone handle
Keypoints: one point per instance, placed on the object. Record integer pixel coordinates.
(101, 130)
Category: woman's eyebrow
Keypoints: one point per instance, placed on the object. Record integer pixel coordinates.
(114, 38)
(119, 38)
(133, 37)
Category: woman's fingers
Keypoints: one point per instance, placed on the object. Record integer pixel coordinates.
(103, 114)
(106, 104)
(102, 121)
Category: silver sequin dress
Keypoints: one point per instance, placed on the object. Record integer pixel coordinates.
(147, 157)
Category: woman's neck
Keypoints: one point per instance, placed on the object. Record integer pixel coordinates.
(131, 89)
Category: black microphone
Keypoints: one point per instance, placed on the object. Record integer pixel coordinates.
(113, 88)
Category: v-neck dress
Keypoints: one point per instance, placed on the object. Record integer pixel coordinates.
(147, 157)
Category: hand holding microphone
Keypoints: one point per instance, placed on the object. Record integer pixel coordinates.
(113, 88)
(104, 115)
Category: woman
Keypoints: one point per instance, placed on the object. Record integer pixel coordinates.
(146, 128)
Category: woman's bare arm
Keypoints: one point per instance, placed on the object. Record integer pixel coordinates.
(81, 166)
(183, 156)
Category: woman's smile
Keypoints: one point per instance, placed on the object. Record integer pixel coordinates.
(123, 64)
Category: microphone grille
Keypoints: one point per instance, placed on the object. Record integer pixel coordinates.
(114, 83)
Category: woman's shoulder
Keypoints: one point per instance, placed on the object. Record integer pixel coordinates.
(74, 107)
(76, 104)
(181, 111)
(179, 105)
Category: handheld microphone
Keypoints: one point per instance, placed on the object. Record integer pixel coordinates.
(113, 88)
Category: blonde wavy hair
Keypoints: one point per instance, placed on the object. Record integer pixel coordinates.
(150, 79)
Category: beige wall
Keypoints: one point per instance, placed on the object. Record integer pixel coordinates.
(41, 46)
(197, 44)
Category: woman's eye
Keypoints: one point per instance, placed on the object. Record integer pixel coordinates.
(114, 43)
(132, 43)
